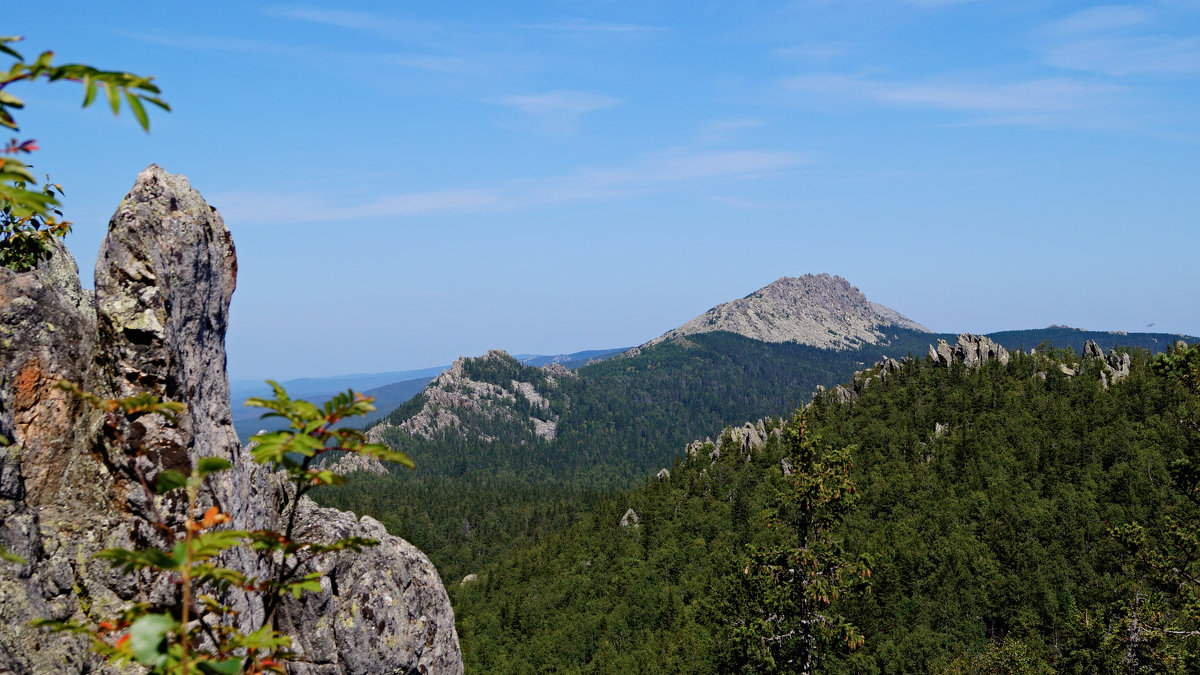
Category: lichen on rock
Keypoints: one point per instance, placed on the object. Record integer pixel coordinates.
(164, 279)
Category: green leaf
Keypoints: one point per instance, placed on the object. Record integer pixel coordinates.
(138, 111)
(148, 638)
(114, 96)
(129, 561)
(207, 465)
(9, 50)
(168, 480)
(311, 582)
(89, 90)
(227, 667)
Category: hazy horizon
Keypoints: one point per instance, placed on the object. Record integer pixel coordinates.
(405, 184)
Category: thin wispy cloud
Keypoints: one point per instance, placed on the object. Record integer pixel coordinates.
(1120, 40)
(816, 51)
(430, 62)
(1100, 19)
(213, 43)
(652, 173)
(723, 130)
(557, 111)
(580, 26)
(1038, 101)
(926, 4)
(416, 32)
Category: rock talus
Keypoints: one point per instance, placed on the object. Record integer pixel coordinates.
(70, 483)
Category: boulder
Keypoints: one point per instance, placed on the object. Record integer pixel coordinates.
(630, 519)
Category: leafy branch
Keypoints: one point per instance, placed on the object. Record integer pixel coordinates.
(200, 634)
(30, 218)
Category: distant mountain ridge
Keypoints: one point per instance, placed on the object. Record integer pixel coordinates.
(821, 310)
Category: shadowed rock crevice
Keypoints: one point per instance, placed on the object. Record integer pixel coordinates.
(70, 485)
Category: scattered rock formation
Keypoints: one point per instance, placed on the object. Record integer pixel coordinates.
(630, 519)
(815, 309)
(352, 463)
(663, 474)
(70, 484)
(453, 394)
(1116, 365)
(971, 350)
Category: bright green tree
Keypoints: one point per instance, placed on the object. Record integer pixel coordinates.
(786, 589)
(1161, 630)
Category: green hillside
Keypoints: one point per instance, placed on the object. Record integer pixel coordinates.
(990, 505)
(621, 420)
(469, 500)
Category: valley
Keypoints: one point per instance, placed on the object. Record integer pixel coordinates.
(525, 477)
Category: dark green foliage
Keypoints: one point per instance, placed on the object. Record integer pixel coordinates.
(470, 500)
(991, 544)
(1063, 337)
(779, 612)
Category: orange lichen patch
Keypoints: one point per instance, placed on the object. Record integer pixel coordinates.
(28, 386)
(42, 422)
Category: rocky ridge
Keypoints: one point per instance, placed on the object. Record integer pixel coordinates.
(70, 483)
(816, 309)
(453, 395)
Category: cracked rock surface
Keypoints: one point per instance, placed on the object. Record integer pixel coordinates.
(70, 485)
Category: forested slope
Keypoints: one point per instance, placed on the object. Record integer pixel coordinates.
(488, 482)
(1016, 517)
(491, 483)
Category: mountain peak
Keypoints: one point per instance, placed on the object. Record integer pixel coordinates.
(821, 310)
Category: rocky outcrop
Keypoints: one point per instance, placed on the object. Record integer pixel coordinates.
(970, 350)
(785, 465)
(453, 395)
(1115, 365)
(557, 371)
(351, 462)
(815, 309)
(630, 519)
(71, 481)
(382, 610)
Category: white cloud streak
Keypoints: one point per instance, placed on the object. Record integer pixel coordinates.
(1039, 101)
(580, 26)
(653, 173)
(1120, 40)
(557, 112)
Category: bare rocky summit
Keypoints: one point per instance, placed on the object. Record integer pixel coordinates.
(816, 309)
(453, 395)
(70, 485)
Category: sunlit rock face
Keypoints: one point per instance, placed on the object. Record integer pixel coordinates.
(71, 482)
(816, 309)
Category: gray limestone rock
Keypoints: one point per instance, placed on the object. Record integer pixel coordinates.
(663, 474)
(382, 610)
(70, 482)
(630, 519)
(971, 350)
(815, 309)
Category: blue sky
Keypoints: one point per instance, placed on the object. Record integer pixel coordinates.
(407, 182)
